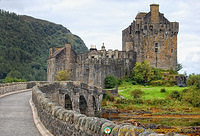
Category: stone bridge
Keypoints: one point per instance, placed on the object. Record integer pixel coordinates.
(75, 96)
(61, 109)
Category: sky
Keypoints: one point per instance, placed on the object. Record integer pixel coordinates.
(98, 21)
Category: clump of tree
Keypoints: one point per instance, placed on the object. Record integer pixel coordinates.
(111, 81)
(144, 74)
(63, 75)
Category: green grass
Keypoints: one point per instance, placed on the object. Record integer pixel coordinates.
(150, 92)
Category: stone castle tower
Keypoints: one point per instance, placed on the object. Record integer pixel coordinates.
(153, 38)
(150, 37)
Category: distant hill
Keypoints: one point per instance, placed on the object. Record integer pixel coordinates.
(24, 44)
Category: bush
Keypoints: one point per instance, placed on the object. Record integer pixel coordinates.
(162, 90)
(138, 101)
(111, 81)
(10, 80)
(109, 97)
(174, 95)
(191, 96)
(137, 93)
(62, 75)
(194, 80)
(157, 83)
(162, 102)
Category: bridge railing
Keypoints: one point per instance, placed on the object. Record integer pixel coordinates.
(16, 86)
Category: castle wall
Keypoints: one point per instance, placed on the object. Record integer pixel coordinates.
(93, 70)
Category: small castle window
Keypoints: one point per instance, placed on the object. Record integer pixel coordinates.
(171, 50)
(145, 27)
(92, 56)
(156, 47)
(130, 30)
(138, 26)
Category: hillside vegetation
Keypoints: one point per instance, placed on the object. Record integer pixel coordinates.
(24, 44)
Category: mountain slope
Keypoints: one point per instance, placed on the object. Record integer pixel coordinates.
(24, 44)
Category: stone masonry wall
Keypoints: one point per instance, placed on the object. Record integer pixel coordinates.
(10, 87)
(62, 122)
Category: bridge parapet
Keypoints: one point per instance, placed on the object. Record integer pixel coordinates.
(16, 86)
(60, 121)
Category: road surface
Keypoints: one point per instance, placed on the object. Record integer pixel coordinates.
(16, 116)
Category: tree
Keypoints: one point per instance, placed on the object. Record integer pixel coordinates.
(62, 75)
(142, 73)
(179, 67)
(110, 81)
(14, 74)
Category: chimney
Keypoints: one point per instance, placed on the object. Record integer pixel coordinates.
(50, 51)
(154, 13)
(103, 47)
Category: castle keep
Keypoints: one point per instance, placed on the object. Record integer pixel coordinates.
(153, 38)
(150, 37)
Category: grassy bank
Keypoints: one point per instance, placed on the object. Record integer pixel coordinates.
(150, 92)
(152, 100)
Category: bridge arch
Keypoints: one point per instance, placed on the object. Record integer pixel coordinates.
(83, 105)
(68, 102)
(94, 105)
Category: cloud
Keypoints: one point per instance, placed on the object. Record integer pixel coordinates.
(97, 21)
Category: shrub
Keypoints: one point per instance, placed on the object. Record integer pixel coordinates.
(174, 95)
(137, 93)
(194, 80)
(191, 96)
(157, 83)
(134, 82)
(162, 90)
(110, 81)
(162, 102)
(10, 80)
(138, 101)
(62, 75)
(109, 97)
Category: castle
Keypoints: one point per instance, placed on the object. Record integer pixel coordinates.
(150, 37)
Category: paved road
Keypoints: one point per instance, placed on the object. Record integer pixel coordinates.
(16, 116)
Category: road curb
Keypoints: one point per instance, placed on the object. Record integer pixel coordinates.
(41, 128)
